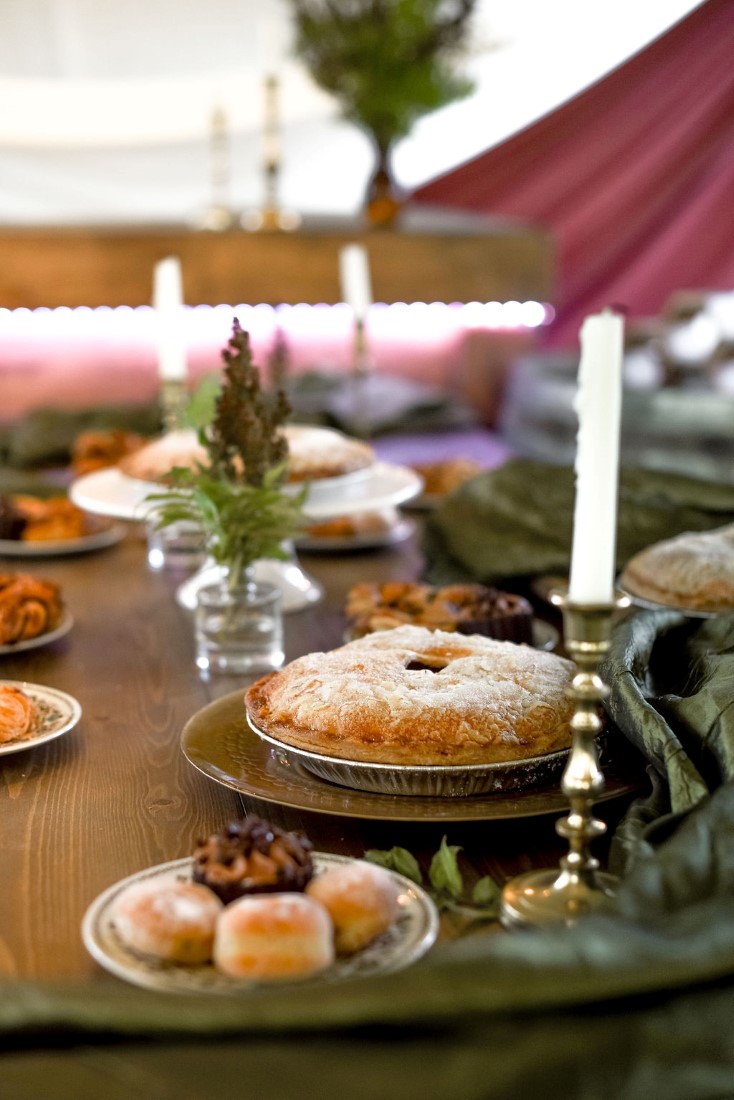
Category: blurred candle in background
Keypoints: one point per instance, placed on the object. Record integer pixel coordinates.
(168, 305)
(271, 124)
(356, 284)
(598, 405)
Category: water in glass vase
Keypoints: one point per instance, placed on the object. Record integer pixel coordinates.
(239, 631)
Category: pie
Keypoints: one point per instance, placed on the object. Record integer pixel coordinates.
(694, 571)
(313, 453)
(413, 696)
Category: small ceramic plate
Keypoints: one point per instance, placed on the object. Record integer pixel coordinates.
(408, 938)
(57, 713)
(52, 548)
(41, 639)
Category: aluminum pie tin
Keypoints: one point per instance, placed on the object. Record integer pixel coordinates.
(439, 781)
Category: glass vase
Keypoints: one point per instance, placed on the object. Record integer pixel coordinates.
(238, 628)
(383, 199)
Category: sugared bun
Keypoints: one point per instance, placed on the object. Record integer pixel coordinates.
(362, 901)
(274, 937)
(172, 921)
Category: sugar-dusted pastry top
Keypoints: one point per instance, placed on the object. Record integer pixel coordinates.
(413, 696)
(693, 570)
(313, 453)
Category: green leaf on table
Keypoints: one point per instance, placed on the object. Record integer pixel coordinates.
(396, 859)
(486, 893)
(444, 871)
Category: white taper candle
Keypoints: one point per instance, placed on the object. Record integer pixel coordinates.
(356, 284)
(599, 405)
(168, 305)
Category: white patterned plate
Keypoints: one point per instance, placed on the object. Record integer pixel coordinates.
(409, 937)
(63, 628)
(57, 713)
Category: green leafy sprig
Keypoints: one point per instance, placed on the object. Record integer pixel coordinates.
(237, 496)
(445, 881)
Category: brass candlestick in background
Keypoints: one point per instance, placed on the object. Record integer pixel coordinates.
(552, 896)
(219, 215)
(360, 381)
(270, 217)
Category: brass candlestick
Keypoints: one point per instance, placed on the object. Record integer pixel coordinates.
(552, 896)
(360, 381)
(173, 403)
(271, 217)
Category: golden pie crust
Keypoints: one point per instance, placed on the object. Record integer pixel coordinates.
(694, 570)
(313, 453)
(413, 696)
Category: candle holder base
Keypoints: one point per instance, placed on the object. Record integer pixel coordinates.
(173, 403)
(541, 898)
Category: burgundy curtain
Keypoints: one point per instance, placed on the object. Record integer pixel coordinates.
(634, 177)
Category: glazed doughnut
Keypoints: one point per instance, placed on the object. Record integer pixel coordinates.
(362, 901)
(413, 696)
(274, 937)
(171, 921)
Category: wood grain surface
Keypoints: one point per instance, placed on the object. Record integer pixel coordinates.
(117, 795)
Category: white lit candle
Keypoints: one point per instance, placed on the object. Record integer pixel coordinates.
(168, 305)
(356, 285)
(598, 404)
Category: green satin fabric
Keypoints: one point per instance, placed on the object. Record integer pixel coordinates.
(517, 520)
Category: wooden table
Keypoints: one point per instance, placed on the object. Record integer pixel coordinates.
(117, 795)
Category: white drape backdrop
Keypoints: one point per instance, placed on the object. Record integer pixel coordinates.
(106, 109)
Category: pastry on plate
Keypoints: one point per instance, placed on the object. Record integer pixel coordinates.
(313, 453)
(171, 921)
(362, 901)
(693, 571)
(440, 478)
(29, 607)
(252, 856)
(466, 608)
(18, 714)
(276, 937)
(414, 696)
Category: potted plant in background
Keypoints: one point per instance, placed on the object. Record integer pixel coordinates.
(237, 498)
(387, 62)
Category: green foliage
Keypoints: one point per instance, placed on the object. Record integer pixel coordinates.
(386, 61)
(397, 859)
(237, 497)
(445, 881)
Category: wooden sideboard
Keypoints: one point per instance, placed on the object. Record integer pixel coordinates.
(432, 256)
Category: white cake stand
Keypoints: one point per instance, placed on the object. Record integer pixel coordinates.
(109, 492)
